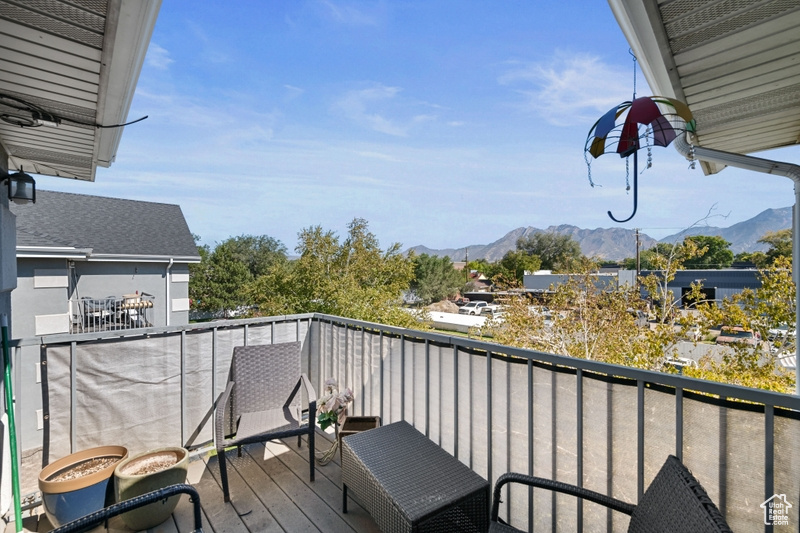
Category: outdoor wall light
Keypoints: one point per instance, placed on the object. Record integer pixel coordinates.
(21, 187)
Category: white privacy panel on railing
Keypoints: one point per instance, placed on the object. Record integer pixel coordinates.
(604, 427)
(144, 392)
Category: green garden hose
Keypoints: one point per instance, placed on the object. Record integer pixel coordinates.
(12, 432)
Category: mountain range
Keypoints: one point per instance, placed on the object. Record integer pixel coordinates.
(615, 244)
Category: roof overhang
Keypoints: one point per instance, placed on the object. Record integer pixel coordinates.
(75, 63)
(736, 64)
(87, 254)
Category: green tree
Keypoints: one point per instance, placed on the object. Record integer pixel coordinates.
(220, 281)
(351, 278)
(258, 253)
(713, 252)
(771, 305)
(199, 275)
(510, 271)
(435, 278)
(651, 259)
(780, 244)
(480, 265)
(664, 260)
(558, 252)
(589, 318)
(759, 259)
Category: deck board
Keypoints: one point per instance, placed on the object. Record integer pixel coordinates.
(270, 492)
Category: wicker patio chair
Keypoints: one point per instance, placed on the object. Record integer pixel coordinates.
(91, 521)
(675, 502)
(261, 401)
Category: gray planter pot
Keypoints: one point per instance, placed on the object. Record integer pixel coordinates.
(141, 474)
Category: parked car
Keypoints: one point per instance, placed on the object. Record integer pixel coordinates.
(461, 301)
(737, 334)
(477, 308)
(781, 332)
(542, 310)
(639, 316)
(679, 363)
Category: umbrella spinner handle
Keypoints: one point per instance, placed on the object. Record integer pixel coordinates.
(635, 191)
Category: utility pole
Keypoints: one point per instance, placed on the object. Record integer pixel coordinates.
(638, 265)
(466, 264)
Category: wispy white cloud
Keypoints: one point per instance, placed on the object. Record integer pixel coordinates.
(365, 180)
(379, 155)
(158, 57)
(359, 106)
(213, 49)
(569, 89)
(381, 108)
(352, 14)
(292, 92)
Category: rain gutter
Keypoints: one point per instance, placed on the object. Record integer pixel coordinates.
(765, 166)
(168, 273)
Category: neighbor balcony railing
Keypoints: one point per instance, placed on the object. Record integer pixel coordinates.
(495, 408)
(112, 313)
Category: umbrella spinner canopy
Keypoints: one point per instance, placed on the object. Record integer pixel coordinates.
(643, 122)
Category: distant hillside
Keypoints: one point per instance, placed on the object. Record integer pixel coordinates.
(744, 235)
(616, 243)
(603, 243)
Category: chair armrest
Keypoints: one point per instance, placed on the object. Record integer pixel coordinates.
(89, 521)
(557, 486)
(306, 383)
(312, 394)
(219, 414)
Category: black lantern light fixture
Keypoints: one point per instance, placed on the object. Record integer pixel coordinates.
(21, 187)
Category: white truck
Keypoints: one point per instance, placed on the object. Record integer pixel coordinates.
(478, 308)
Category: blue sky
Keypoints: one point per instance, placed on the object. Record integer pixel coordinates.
(442, 123)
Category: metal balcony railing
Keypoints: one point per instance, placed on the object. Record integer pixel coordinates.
(112, 313)
(495, 408)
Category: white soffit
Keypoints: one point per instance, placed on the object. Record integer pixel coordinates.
(75, 60)
(736, 64)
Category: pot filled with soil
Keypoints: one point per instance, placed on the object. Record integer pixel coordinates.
(145, 473)
(78, 484)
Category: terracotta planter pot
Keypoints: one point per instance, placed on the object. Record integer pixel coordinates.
(66, 500)
(146, 472)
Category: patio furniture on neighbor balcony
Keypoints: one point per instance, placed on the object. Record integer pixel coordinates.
(133, 309)
(261, 401)
(97, 518)
(98, 311)
(409, 484)
(675, 502)
(113, 312)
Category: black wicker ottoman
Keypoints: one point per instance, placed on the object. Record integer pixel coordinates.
(409, 484)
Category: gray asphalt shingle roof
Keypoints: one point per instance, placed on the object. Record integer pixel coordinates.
(106, 225)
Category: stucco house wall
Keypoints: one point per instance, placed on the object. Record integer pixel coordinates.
(73, 246)
(49, 291)
(69, 246)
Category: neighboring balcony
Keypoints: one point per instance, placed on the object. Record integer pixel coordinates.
(495, 408)
(130, 311)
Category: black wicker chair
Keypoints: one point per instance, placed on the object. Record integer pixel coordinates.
(261, 401)
(91, 521)
(675, 502)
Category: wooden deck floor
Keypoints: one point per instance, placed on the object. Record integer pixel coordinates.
(270, 492)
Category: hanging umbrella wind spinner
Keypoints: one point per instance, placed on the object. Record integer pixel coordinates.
(643, 122)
